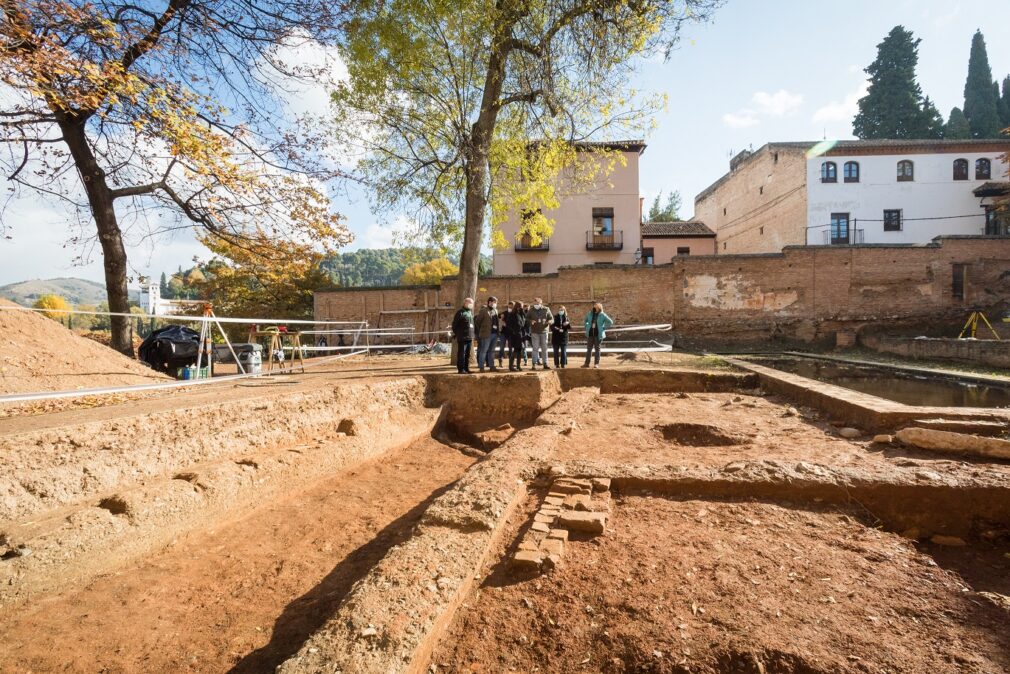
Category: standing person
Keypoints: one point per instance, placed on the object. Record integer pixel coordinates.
(525, 308)
(516, 326)
(463, 332)
(503, 332)
(559, 337)
(540, 319)
(486, 326)
(596, 325)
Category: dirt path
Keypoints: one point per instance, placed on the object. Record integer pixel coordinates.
(242, 597)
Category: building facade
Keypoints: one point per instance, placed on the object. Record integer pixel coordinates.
(853, 192)
(601, 226)
(664, 241)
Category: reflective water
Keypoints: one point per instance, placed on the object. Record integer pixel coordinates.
(902, 387)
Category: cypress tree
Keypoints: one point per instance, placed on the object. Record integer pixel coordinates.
(957, 126)
(894, 106)
(1004, 103)
(165, 292)
(980, 104)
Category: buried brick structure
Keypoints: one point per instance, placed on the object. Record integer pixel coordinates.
(803, 293)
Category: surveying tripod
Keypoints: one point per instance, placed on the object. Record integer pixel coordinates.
(972, 325)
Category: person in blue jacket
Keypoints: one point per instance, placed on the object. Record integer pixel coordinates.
(596, 325)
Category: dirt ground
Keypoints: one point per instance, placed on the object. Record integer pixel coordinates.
(717, 587)
(39, 354)
(240, 597)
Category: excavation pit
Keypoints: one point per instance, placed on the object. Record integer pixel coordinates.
(716, 587)
(699, 435)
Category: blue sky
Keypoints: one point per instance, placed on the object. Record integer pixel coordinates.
(760, 72)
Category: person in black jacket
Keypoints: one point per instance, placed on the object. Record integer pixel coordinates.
(516, 326)
(462, 331)
(503, 332)
(559, 337)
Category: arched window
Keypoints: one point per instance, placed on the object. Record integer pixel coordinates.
(829, 172)
(851, 172)
(906, 171)
(960, 169)
(983, 169)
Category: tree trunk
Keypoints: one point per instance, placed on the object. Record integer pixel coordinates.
(110, 236)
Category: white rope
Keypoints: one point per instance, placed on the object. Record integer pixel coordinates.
(174, 317)
(80, 393)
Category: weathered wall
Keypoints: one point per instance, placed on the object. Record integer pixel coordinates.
(976, 351)
(664, 249)
(761, 206)
(801, 293)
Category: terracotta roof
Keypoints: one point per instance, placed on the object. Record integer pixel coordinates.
(679, 228)
(992, 189)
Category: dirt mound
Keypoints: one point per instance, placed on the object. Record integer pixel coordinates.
(39, 354)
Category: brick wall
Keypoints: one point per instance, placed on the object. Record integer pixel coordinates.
(761, 205)
(800, 294)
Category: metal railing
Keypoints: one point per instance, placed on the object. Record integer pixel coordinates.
(849, 237)
(605, 241)
(525, 243)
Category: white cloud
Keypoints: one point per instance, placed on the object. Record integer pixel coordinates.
(743, 119)
(844, 110)
(763, 104)
(942, 19)
(778, 104)
(374, 236)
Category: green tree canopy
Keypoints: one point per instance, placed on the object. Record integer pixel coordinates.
(465, 108)
(981, 105)
(894, 106)
(957, 126)
(665, 211)
(1004, 103)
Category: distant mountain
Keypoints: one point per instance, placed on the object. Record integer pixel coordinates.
(73, 290)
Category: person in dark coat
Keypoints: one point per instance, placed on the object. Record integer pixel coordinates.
(463, 332)
(559, 337)
(527, 334)
(503, 333)
(516, 327)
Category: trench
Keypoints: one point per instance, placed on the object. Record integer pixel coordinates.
(240, 595)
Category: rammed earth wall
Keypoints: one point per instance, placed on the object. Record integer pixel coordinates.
(803, 293)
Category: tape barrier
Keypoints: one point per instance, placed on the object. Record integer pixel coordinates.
(175, 317)
(80, 393)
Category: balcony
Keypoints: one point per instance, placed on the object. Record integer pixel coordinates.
(843, 238)
(605, 241)
(524, 244)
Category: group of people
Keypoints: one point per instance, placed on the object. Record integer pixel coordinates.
(516, 327)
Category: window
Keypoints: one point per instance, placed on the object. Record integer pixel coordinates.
(761, 230)
(648, 256)
(724, 211)
(829, 172)
(851, 171)
(957, 283)
(892, 220)
(761, 190)
(776, 157)
(960, 169)
(983, 169)
(839, 228)
(603, 222)
(683, 250)
(906, 171)
(997, 222)
(531, 267)
(724, 245)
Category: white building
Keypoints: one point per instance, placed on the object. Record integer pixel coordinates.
(900, 192)
(856, 192)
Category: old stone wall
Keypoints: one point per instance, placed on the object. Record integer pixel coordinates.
(989, 352)
(803, 293)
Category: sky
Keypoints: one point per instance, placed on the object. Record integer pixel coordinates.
(787, 70)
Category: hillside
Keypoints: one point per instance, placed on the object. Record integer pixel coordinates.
(74, 290)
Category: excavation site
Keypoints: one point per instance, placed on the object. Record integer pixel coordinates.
(665, 513)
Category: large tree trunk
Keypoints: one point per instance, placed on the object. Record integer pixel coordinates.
(109, 235)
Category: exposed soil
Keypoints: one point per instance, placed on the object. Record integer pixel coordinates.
(39, 354)
(244, 595)
(729, 588)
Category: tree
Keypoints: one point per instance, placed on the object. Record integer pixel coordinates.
(893, 106)
(661, 211)
(428, 273)
(163, 289)
(957, 127)
(981, 106)
(55, 304)
(1004, 103)
(465, 108)
(176, 106)
(238, 282)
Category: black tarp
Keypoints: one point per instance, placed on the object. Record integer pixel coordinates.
(170, 348)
